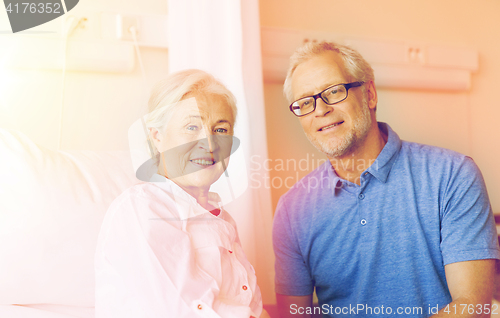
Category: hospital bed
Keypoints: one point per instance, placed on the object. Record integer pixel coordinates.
(51, 207)
(52, 204)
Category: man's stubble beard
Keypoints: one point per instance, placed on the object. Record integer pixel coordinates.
(351, 140)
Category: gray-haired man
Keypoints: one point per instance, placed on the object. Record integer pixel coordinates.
(395, 228)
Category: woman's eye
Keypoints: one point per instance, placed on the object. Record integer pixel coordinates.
(192, 127)
(221, 130)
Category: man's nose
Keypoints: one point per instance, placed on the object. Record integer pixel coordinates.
(322, 108)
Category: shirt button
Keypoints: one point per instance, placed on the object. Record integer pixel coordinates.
(361, 196)
(200, 307)
(366, 173)
(244, 287)
(363, 222)
(230, 251)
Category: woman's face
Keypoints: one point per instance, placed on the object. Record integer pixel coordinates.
(197, 140)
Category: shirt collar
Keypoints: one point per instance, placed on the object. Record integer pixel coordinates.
(187, 206)
(328, 169)
(382, 166)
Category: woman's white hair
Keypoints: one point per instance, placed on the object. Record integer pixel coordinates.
(168, 92)
(355, 65)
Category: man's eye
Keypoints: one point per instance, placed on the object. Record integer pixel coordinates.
(333, 91)
(221, 130)
(305, 103)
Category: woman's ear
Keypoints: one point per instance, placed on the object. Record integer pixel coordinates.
(156, 137)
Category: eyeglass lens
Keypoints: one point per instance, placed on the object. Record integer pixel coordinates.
(330, 96)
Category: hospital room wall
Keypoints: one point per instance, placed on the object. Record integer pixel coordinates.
(98, 107)
(462, 121)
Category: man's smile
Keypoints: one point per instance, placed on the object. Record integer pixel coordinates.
(331, 126)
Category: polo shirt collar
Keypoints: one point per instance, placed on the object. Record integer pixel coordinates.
(332, 175)
(382, 166)
(187, 206)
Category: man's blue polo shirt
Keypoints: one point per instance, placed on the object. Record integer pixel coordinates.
(386, 241)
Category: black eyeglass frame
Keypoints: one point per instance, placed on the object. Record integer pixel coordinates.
(347, 86)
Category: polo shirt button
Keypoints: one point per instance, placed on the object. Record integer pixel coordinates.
(363, 222)
(200, 307)
(244, 287)
(230, 251)
(361, 196)
(366, 173)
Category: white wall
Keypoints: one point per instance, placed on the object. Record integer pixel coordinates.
(98, 107)
(464, 121)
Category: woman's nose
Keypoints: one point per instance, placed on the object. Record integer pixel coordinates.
(207, 140)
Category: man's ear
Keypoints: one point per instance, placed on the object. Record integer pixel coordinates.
(371, 94)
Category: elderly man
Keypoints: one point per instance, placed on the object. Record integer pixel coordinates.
(390, 228)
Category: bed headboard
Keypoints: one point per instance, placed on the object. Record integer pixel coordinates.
(51, 207)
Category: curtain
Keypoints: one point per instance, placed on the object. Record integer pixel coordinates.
(222, 37)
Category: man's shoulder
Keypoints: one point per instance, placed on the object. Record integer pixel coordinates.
(438, 161)
(297, 207)
(418, 151)
(312, 182)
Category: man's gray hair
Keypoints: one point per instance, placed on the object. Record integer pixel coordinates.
(355, 65)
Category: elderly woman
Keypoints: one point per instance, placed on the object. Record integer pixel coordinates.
(167, 248)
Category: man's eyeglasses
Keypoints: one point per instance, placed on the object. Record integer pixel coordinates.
(332, 95)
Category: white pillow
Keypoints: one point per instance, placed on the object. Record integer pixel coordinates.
(51, 207)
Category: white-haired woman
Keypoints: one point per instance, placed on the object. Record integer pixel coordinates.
(167, 248)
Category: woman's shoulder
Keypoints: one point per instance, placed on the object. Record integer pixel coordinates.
(145, 199)
(147, 191)
(137, 192)
(142, 214)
